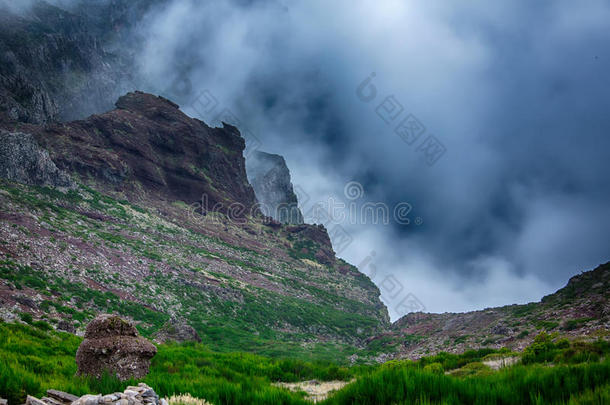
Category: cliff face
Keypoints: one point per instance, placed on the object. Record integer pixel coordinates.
(159, 221)
(270, 178)
(23, 161)
(54, 66)
(131, 238)
(147, 146)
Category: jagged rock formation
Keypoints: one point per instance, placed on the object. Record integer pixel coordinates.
(580, 309)
(270, 179)
(177, 330)
(54, 66)
(112, 344)
(23, 161)
(147, 144)
(135, 219)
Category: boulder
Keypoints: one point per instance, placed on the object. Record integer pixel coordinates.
(112, 344)
(177, 330)
(23, 161)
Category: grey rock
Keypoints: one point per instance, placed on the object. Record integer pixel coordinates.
(3, 401)
(177, 330)
(33, 401)
(270, 179)
(51, 401)
(62, 396)
(23, 161)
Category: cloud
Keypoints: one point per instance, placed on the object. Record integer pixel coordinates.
(515, 91)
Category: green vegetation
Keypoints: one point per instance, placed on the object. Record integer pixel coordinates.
(33, 360)
(519, 385)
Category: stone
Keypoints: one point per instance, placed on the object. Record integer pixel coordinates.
(177, 330)
(61, 396)
(270, 179)
(112, 344)
(33, 401)
(90, 399)
(3, 401)
(51, 401)
(66, 326)
(23, 161)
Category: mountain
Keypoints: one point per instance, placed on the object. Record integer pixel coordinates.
(130, 233)
(116, 201)
(270, 178)
(579, 310)
(56, 65)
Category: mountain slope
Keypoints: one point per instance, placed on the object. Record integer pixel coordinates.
(132, 238)
(579, 310)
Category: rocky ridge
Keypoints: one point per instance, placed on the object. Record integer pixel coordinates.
(270, 179)
(579, 310)
(134, 230)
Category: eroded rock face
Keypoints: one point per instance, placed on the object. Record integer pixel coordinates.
(112, 344)
(23, 161)
(148, 145)
(177, 330)
(270, 179)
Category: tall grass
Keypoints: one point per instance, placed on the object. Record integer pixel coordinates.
(519, 385)
(34, 359)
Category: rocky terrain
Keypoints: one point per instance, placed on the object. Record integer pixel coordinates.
(80, 76)
(270, 179)
(151, 232)
(579, 310)
(142, 211)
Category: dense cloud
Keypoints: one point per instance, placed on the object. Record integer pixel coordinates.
(516, 91)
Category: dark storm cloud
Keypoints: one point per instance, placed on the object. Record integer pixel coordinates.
(517, 92)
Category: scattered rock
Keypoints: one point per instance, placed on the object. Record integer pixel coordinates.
(62, 396)
(23, 161)
(66, 326)
(33, 401)
(112, 344)
(177, 330)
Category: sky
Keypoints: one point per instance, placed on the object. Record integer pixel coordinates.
(484, 125)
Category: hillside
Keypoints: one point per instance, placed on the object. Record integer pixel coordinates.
(159, 222)
(579, 310)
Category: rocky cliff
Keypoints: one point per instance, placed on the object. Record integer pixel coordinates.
(55, 65)
(148, 147)
(132, 237)
(23, 161)
(270, 178)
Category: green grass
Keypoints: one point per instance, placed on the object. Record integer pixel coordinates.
(33, 360)
(518, 385)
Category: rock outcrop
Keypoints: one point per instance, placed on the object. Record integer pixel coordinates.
(112, 344)
(23, 161)
(147, 145)
(270, 179)
(177, 330)
(54, 66)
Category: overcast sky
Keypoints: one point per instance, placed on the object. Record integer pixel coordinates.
(516, 94)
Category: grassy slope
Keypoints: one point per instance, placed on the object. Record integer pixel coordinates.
(86, 253)
(33, 359)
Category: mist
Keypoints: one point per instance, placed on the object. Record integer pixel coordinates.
(514, 95)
